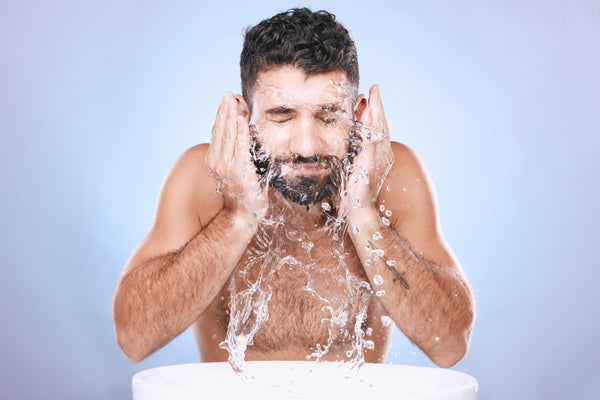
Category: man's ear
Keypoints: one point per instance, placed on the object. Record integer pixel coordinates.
(359, 106)
(243, 107)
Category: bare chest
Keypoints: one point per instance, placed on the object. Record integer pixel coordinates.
(296, 294)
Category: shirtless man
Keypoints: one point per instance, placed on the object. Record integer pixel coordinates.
(261, 205)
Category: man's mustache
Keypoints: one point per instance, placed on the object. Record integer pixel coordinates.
(264, 163)
(296, 159)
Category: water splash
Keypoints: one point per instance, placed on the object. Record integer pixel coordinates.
(251, 285)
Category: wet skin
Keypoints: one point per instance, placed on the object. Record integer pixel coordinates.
(288, 115)
(189, 203)
(292, 331)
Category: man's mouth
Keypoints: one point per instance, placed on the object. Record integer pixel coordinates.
(307, 168)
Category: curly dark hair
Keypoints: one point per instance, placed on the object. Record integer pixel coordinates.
(312, 41)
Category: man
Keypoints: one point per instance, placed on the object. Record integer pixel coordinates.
(301, 231)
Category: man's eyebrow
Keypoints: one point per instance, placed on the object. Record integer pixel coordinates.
(328, 107)
(280, 110)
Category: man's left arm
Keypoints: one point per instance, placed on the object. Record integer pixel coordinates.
(409, 264)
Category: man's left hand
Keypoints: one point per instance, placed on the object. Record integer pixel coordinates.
(373, 162)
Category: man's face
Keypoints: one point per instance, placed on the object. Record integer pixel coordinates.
(301, 125)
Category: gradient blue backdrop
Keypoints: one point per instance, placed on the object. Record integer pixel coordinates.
(501, 100)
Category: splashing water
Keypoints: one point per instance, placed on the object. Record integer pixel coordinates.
(281, 248)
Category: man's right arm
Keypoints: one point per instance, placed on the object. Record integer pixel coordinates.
(171, 279)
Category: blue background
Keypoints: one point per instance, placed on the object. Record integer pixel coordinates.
(501, 100)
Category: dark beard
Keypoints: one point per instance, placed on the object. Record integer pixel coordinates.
(303, 189)
(306, 189)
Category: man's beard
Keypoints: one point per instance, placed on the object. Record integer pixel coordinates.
(301, 189)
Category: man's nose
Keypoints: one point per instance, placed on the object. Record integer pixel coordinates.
(305, 139)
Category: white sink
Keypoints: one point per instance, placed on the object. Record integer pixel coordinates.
(302, 380)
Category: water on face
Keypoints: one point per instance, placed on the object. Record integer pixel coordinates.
(320, 180)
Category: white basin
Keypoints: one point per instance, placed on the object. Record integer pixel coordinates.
(302, 380)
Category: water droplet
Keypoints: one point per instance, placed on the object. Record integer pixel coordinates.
(388, 188)
(369, 331)
(404, 189)
(385, 221)
(377, 235)
(385, 320)
(382, 208)
(437, 339)
(388, 213)
(325, 206)
(369, 344)
(377, 253)
(378, 280)
(390, 263)
(380, 293)
(368, 263)
(349, 353)
(307, 245)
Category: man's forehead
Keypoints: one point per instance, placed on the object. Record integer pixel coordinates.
(292, 86)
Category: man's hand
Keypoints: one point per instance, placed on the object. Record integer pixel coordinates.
(371, 166)
(228, 161)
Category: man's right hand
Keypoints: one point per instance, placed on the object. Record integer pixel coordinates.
(228, 161)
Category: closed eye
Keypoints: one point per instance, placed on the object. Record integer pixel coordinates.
(327, 120)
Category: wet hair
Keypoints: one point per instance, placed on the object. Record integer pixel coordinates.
(312, 41)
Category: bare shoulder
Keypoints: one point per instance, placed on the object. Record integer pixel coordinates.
(407, 180)
(203, 196)
(186, 203)
(409, 194)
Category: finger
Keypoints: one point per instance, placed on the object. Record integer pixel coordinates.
(230, 129)
(216, 140)
(375, 113)
(217, 131)
(242, 145)
(381, 116)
